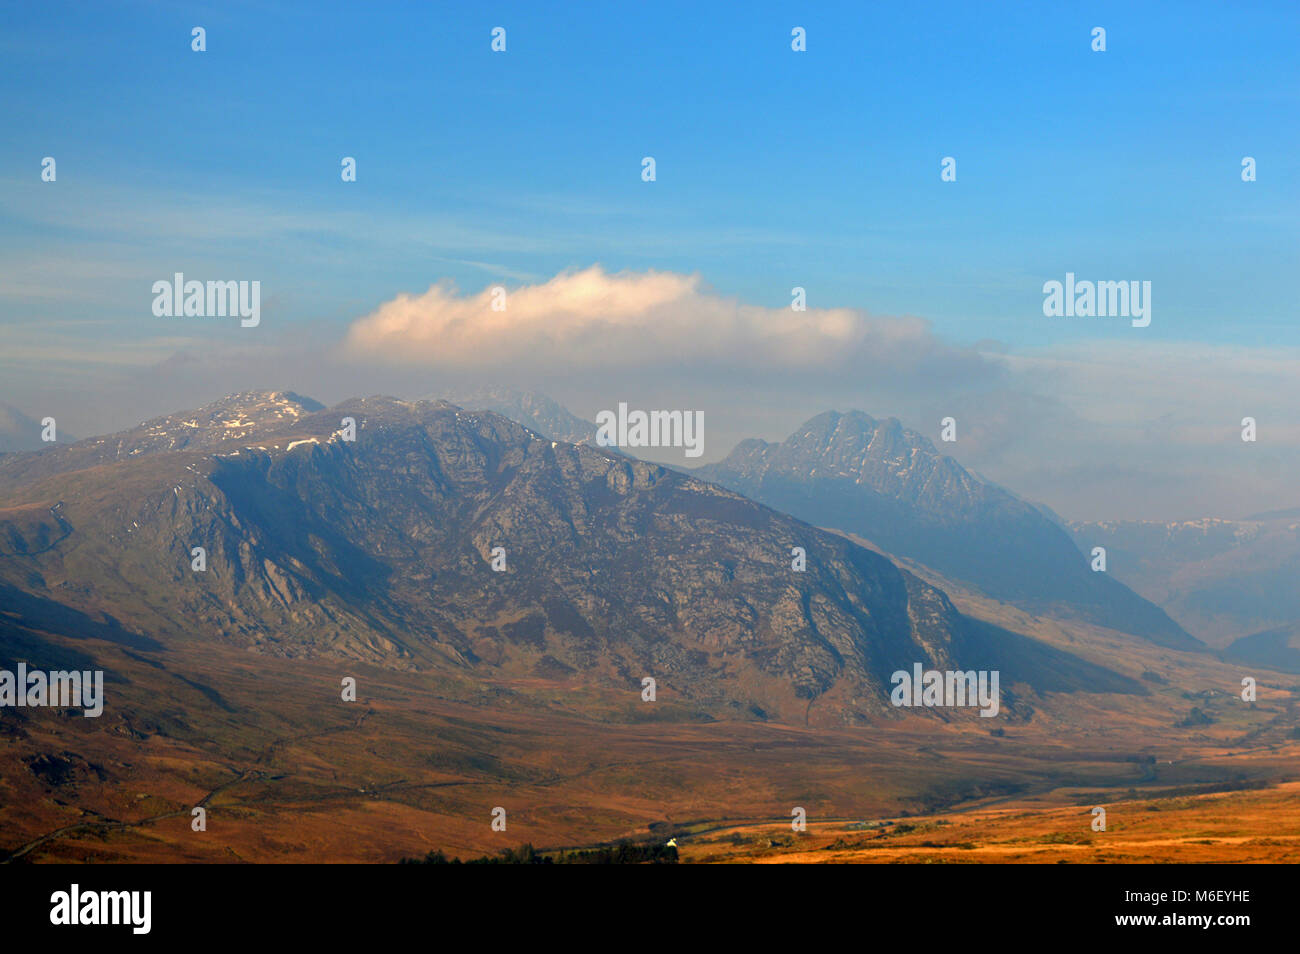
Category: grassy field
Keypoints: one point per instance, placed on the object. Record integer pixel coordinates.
(1260, 826)
(287, 771)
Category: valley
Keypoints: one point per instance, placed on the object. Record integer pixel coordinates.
(289, 772)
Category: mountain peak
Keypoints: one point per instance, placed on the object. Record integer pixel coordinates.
(888, 484)
(858, 448)
(237, 419)
(280, 404)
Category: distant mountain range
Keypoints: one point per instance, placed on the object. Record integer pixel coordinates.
(381, 549)
(1232, 582)
(889, 485)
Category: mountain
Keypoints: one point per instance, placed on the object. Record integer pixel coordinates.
(889, 485)
(234, 419)
(1222, 579)
(535, 411)
(380, 550)
(18, 432)
(1273, 649)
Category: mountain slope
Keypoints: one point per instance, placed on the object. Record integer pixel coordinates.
(890, 485)
(380, 550)
(1274, 649)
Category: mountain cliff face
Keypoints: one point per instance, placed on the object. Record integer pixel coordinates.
(381, 549)
(880, 481)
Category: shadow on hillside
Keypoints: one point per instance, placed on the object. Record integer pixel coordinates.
(1046, 668)
(25, 611)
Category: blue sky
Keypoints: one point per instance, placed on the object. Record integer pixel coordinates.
(775, 169)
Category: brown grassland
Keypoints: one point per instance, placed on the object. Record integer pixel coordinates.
(289, 773)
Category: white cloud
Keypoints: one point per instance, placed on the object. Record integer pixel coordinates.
(651, 319)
